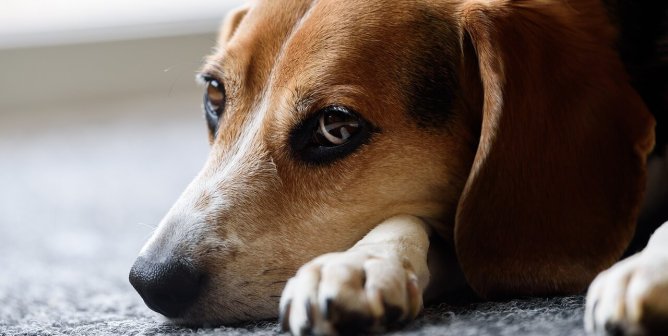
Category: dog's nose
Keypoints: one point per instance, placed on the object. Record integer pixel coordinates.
(168, 287)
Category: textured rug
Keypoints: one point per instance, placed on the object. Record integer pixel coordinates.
(82, 188)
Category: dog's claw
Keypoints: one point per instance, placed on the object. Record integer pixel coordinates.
(309, 318)
(305, 330)
(283, 317)
(327, 309)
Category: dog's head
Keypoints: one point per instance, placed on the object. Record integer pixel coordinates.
(510, 124)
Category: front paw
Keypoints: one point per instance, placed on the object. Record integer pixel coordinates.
(631, 297)
(350, 292)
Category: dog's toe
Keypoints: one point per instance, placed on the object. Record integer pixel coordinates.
(630, 298)
(348, 293)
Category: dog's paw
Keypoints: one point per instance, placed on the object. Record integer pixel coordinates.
(630, 298)
(350, 292)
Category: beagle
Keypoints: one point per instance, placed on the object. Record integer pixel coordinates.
(367, 155)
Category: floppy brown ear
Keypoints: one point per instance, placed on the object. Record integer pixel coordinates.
(559, 172)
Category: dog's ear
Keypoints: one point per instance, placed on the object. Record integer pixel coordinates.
(554, 189)
(231, 23)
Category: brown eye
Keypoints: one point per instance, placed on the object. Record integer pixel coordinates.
(335, 127)
(214, 102)
(215, 97)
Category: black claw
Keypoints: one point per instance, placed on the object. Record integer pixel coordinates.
(614, 329)
(309, 312)
(284, 318)
(392, 314)
(306, 329)
(327, 309)
(347, 322)
(354, 324)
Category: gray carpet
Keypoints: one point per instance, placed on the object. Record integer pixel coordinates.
(79, 194)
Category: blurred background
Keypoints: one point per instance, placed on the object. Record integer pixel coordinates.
(100, 130)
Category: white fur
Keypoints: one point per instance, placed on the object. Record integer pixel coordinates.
(622, 296)
(243, 159)
(389, 265)
(223, 180)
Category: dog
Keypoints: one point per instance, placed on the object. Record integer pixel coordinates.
(368, 156)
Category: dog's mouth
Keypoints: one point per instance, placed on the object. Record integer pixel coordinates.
(227, 289)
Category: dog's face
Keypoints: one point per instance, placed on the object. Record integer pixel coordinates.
(325, 118)
(510, 122)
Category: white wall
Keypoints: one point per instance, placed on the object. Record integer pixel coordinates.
(62, 53)
(25, 23)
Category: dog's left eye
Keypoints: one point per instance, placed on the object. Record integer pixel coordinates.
(214, 103)
(332, 133)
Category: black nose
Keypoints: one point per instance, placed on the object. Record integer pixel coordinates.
(168, 287)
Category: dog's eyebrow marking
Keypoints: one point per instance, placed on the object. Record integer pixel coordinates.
(311, 100)
(219, 65)
(213, 66)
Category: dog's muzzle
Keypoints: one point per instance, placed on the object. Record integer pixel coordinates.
(168, 287)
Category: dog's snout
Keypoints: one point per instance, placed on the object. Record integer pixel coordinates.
(168, 287)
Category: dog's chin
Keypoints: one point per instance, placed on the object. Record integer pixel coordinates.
(215, 323)
(207, 314)
(199, 322)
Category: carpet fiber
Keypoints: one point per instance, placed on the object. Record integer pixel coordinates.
(81, 192)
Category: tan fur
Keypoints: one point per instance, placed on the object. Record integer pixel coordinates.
(543, 150)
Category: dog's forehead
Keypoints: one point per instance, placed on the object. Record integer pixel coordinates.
(336, 38)
(250, 53)
(300, 37)
(331, 52)
(398, 53)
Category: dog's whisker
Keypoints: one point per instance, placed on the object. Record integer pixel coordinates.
(152, 227)
(178, 75)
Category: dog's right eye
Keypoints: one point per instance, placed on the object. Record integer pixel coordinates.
(214, 103)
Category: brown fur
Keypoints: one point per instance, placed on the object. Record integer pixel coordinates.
(532, 166)
(553, 195)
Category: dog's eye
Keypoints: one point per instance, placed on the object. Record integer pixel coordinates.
(335, 127)
(214, 102)
(331, 134)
